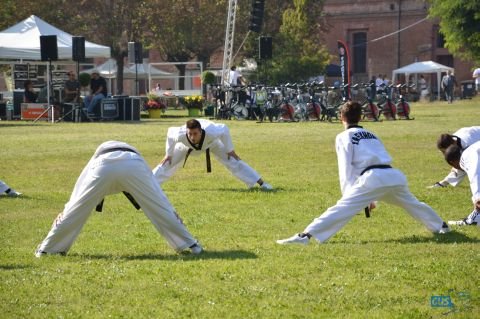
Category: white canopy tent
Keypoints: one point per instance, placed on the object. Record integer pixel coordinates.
(423, 67)
(22, 41)
(109, 69)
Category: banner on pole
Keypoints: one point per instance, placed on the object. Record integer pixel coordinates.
(344, 68)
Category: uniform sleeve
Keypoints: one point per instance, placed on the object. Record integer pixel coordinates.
(344, 156)
(469, 162)
(172, 139)
(226, 138)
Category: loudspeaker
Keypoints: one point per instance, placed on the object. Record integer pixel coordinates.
(78, 49)
(135, 54)
(48, 47)
(265, 47)
(256, 15)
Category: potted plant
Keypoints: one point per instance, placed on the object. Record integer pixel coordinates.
(194, 104)
(208, 77)
(154, 105)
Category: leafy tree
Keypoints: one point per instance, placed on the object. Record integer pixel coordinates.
(186, 29)
(111, 22)
(299, 53)
(460, 25)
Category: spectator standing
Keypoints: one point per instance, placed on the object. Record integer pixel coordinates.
(448, 84)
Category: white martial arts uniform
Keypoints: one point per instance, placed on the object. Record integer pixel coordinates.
(466, 136)
(358, 150)
(217, 140)
(3, 187)
(470, 163)
(109, 173)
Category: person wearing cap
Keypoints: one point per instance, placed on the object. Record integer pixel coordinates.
(98, 87)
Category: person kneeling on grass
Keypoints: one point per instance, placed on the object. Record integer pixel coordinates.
(198, 136)
(365, 176)
(116, 167)
(467, 161)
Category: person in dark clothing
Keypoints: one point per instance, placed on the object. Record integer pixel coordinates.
(30, 95)
(98, 87)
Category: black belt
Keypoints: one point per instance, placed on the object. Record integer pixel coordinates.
(121, 149)
(207, 154)
(374, 166)
(128, 195)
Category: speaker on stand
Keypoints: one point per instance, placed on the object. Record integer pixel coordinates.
(78, 55)
(48, 52)
(135, 55)
(265, 48)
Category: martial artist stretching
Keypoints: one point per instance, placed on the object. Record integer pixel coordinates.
(198, 136)
(365, 176)
(116, 167)
(464, 137)
(10, 192)
(467, 161)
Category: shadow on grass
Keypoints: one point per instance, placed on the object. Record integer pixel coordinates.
(251, 190)
(13, 267)
(449, 238)
(185, 256)
(452, 237)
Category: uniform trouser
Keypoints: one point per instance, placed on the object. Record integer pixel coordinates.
(455, 177)
(388, 185)
(3, 187)
(238, 168)
(108, 174)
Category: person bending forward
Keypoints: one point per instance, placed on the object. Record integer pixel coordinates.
(198, 136)
(365, 176)
(116, 167)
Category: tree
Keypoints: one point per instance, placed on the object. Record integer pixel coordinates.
(186, 29)
(111, 22)
(299, 54)
(460, 25)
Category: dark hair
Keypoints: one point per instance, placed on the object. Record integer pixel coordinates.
(27, 83)
(351, 112)
(233, 68)
(193, 124)
(444, 141)
(453, 153)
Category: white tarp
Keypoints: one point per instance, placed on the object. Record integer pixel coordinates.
(145, 70)
(22, 41)
(423, 67)
(108, 69)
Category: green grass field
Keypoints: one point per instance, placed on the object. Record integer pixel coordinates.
(388, 266)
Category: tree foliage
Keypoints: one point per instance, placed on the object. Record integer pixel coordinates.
(301, 53)
(460, 25)
(182, 30)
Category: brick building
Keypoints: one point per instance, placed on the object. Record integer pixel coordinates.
(369, 28)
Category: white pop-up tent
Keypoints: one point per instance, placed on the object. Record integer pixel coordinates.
(22, 41)
(423, 67)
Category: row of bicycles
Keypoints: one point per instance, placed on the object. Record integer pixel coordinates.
(313, 101)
